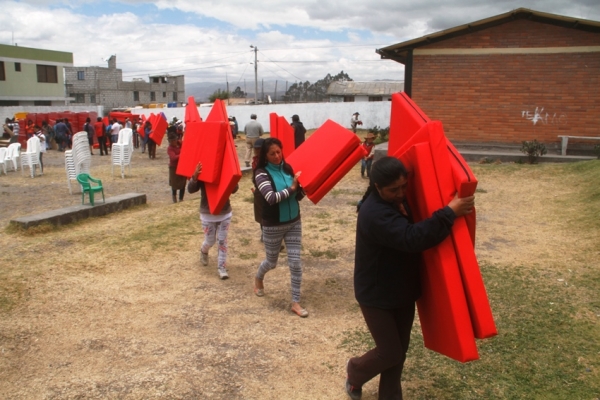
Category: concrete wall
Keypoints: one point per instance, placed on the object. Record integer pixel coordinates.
(312, 115)
(520, 80)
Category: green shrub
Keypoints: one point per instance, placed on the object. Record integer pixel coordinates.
(533, 150)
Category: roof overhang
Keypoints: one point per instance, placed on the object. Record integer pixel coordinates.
(400, 52)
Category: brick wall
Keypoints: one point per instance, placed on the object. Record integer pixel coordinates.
(508, 98)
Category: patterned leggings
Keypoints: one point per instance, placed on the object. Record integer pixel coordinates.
(212, 232)
(272, 237)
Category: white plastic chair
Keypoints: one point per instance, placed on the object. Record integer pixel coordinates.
(13, 154)
(31, 157)
(3, 151)
(122, 151)
(78, 159)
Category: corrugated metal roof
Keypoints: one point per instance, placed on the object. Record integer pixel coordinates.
(399, 51)
(353, 88)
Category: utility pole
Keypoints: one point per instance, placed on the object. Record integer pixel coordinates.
(255, 73)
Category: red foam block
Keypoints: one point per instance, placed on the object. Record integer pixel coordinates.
(443, 311)
(284, 132)
(219, 192)
(322, 153)
(218, 112)
(338, 174)
(159, 128)
(405, 120)
(203, 142)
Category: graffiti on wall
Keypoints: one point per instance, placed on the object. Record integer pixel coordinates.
(543, 117)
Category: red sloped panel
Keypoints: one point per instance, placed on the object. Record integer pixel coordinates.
(337, 175)
(203, 142)
(285, 134)
(322, 153)
(219, 192)
(191, 111)
(218, 112)
(443, 311)
(406, 119)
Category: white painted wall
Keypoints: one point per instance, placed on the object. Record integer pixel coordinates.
(312, 115)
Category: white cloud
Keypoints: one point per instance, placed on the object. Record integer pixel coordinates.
(296, 40)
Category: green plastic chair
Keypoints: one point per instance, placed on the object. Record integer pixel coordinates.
(86, 183)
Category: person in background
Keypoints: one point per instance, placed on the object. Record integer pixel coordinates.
(114, 131)
(91, 131)
(354, 121)
(7, 131)
(69, 132)
(30, 129)
(280, 194)
(128, 123)
(253, 131)
(16, 128)
(177, 182)
(37, 131)
(299, 130)
(62, 134)
(99, 129)
(367, 161)
(215, 227)
(386, 272)
(151, 143)
(48, 133)
(236, 129)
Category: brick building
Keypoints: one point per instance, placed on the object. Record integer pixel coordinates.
(521, 75)
(105, 86)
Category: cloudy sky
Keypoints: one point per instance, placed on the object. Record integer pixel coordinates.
(209, 41)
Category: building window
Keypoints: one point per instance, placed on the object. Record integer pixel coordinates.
(2, 76)
(79, 97)
(93, 98)
(152, 96)
(175, 96)
(375, 98)
(80, 75)
(8, 103)
(348, 99)
(136, 96)
(17, 67)
(164, 94)
(159, 79)
(47, 74)
(42, 103)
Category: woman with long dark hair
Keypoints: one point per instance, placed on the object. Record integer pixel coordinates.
(279, 195)
(386, 272)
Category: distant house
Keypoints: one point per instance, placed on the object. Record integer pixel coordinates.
(32, 77)
(105, 86)
(517, 76)
(351, 91)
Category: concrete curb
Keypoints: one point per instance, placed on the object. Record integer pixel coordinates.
(72, 214)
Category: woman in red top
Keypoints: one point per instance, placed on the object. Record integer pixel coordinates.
(177, 182)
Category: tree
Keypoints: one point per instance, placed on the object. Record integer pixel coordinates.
(238, 93)
(301, 92)
(222, 95)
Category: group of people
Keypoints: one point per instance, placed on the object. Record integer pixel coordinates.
(387, 252)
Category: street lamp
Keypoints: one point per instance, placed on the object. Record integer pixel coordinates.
(255, 74)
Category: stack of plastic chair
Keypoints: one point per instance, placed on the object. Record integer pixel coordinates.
(122, 151)
(13, 153)
(3, 151)
(32, 156)
(77, 160)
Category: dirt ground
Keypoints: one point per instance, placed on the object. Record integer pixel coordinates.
(120, 307)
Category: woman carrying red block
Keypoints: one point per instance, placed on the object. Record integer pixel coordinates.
(280, 193)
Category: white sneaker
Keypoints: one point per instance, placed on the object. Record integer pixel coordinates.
(203, 258)
(223, 274)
